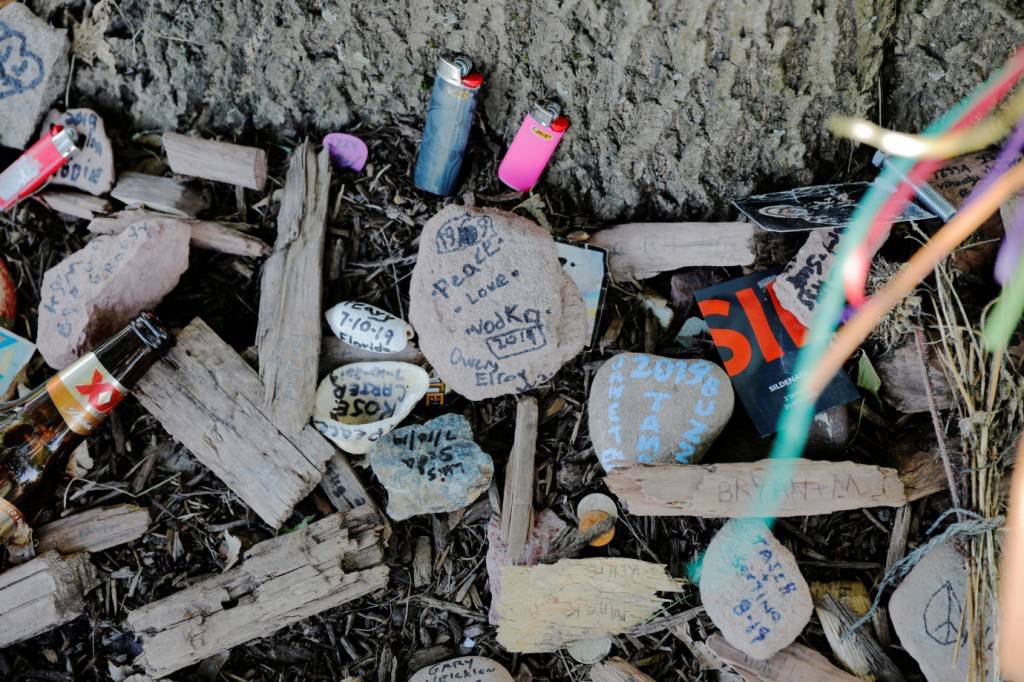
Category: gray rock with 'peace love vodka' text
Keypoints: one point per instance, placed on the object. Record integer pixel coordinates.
(752, 589)
(654, 410)
(494, 311)
(34, 65)
(432, 467)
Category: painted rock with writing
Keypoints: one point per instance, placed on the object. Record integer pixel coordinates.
(798, 286)
(650, 409)
(753, 590)
(357, 404)
(95, 291)
(468, 668)
(927, 611)
(367, 327)
(493, 309)
(34, 66)
(15, 352)
(547, 526)
(91, 169)
(432, 467)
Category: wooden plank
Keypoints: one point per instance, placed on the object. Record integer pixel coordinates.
(43, 593)
(94, 530)
(643, 250)
(160, 194)
(795, 662)
(922, 475)
(280, 582)
(205, 234)
(233, 164)
(545, 607)
(288, 331)
(616, 669)
(76, 204)
(422, 563)
(334, 353)
(897, 548)
(207, 398)
(342, 484)
(734, 490)
(517, 501)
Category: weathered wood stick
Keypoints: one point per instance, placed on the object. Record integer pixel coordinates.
(94, 530)
(290, 314)
(517, 501)
(734, 490)
(281, 581)
(43, 593)
(207, 398)
(897, 548)
(76, 204)
(160, 194)
(206, 234)
(616, 669)
(795, 662)
(217, 161)
(334, 353)
(643, 250)
(922, 475)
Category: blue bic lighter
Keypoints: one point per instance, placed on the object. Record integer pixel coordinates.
(449, 118)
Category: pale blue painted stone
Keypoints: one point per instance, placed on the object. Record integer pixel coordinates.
(655, 410)
(431, 468)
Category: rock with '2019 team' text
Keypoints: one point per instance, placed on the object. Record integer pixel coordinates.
(494, 311)
(655, 410)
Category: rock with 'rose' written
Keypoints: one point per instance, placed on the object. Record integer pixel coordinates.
(753, 590)
(432, 467)
(655, 410)
(494, 311)
(95, 291)
(467, 668)
(358, 403)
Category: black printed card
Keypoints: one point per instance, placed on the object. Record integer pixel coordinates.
(758, 341)
(813, 208)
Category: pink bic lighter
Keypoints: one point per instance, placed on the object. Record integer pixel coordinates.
(37, 165)
(533, 145)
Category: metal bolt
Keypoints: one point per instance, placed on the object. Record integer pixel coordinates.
(927, 194)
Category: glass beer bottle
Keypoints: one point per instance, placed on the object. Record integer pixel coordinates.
(39, 432)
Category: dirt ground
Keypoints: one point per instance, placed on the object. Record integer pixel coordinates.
(371, 248)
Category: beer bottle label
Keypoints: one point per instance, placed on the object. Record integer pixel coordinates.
(85, 393)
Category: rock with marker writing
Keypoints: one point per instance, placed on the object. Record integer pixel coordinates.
(547, 526)
(655, 410)
(493, 309)
(91, 169)
(927, 611)
(358, 403)
(464, 669)
(95, 291)
(368, 328)
(33, 72)
(431, 468)
(753, 590)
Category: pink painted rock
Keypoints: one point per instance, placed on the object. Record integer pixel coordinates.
(494, 311)
(347, 151)
(547, 526)
(97, 290)
(92, 168)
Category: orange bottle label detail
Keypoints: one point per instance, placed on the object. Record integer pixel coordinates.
(85, 393)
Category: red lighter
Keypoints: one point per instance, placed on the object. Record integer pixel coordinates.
(36, 165)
